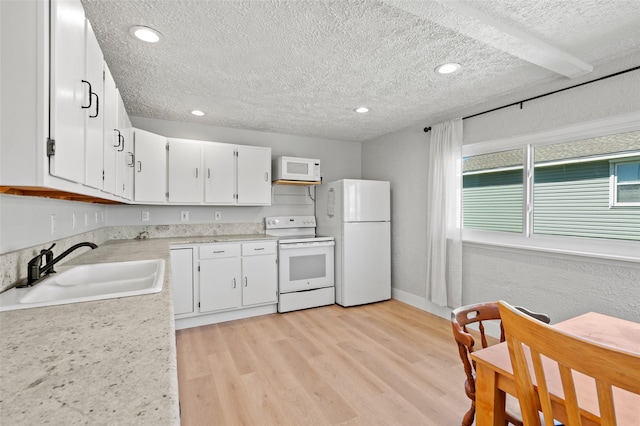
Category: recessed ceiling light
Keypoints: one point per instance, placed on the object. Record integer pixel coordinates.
(197, 112)
(447, 68)
(362, 110)
(145, 33)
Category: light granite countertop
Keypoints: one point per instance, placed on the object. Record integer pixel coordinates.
(100, 363)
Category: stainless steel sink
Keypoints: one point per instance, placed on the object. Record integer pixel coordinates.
(89, 282)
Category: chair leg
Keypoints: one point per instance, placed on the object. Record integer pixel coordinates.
(467, 420)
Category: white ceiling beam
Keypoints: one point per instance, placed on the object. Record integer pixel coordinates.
(497, 34)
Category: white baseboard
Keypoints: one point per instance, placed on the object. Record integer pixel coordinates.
(421, 303)
(197, 321)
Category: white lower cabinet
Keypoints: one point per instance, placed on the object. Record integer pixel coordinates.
(182, 280)
(220, 274)
(229, 281)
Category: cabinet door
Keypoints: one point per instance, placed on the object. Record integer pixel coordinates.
(254, 175)
(150, 181)
(182, 280)
(259, 280)
(130, 162)
(185, 171)
(94, 118)
(219, 284)
(219, 173)
(68, 92)
(112, 138)
(121, 151)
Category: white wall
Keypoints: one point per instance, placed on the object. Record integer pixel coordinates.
(26, 221)
(560, 286)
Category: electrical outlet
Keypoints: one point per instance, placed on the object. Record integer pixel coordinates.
(54, 224)
(145, 216)
(184, 216)
(217, 215)
(73, 221)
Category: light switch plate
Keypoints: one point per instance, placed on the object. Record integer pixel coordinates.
(184, 216)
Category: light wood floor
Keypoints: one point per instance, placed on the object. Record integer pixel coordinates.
(381, 364)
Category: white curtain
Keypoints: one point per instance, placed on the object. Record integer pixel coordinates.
(444, 216)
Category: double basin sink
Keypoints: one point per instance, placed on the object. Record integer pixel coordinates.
(86, 283)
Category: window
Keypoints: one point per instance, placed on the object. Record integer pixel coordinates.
(625, 183)
(575, 187)
(492, 191)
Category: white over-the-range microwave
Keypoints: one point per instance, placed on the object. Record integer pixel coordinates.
(294, 168)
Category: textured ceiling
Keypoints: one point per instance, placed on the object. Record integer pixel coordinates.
(302, 66)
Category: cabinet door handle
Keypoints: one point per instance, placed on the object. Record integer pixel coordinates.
(119, 138)
(139, 166)
(208, 173)
(266, 176)
(133, 159)
(196, 172)
(245, 281)
(90, 95)
(121, 142)
(234, 283)
(97, 105)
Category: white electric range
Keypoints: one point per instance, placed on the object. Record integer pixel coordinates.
(305, 263)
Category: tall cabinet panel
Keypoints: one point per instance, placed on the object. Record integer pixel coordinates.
(150, 166)
(94, 120)
(219, 173)
(70, 94)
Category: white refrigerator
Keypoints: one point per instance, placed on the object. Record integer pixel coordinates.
(357, 213)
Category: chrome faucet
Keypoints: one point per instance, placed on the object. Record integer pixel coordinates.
(35, 271)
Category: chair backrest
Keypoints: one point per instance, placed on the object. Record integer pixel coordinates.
(478, 313)
(607, 365)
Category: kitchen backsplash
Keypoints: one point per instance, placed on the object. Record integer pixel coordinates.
(14, 264)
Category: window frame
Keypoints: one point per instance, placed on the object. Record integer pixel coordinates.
(613, 182)
(567, 245)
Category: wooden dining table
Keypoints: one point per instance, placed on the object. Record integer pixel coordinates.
(494, 375)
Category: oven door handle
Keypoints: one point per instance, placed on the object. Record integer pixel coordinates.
(293, 246)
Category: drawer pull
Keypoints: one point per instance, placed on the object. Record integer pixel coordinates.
(257, 249)
(218, 251)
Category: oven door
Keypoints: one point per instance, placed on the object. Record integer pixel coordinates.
(305, 266)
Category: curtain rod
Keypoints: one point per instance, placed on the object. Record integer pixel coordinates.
(426, 129)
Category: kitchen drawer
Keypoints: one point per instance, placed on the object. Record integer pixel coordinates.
(212, 251)
(267, 247)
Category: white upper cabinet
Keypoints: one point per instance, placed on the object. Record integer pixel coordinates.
(94, 119)
(129, 160)
(254, 175)
(124, 146)
(111, 135)
(71, 93)
(150, 181)
(219, 173)
(185, 171)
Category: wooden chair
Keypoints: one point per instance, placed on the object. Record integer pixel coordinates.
(478, 314)
(607, 365)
